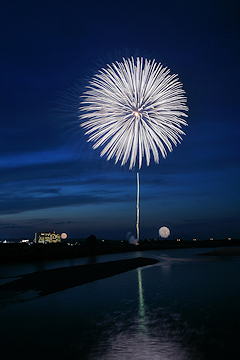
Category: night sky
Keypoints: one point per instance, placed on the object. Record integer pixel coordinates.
(52, 179)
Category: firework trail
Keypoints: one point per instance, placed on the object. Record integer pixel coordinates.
(137, 221)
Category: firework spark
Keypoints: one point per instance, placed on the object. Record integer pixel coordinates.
(134, 109)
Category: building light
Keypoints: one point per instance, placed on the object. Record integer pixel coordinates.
(47, 237)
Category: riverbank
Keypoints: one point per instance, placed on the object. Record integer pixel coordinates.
(50, 281)
(23, 253)
(231, 251)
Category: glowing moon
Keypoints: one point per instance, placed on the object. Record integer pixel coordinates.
(63, 236)
(164, 232)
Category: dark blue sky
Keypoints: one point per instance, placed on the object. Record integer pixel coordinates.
(51, 179)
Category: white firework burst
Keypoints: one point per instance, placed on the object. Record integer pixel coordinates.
(134, 109)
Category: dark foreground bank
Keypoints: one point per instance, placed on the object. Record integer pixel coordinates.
(232, 251)
(54, 280)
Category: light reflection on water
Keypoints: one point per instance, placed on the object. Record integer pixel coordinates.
(137, 347)
(145, 339)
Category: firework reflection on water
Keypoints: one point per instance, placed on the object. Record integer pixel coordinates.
(144, 338)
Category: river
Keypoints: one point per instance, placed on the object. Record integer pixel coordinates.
(184, 307)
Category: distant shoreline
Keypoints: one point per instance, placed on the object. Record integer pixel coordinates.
(24, 253)
(231, 251)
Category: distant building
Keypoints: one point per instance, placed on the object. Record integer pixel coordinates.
(47, 237)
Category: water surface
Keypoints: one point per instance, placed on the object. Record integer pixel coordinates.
(185, 307)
